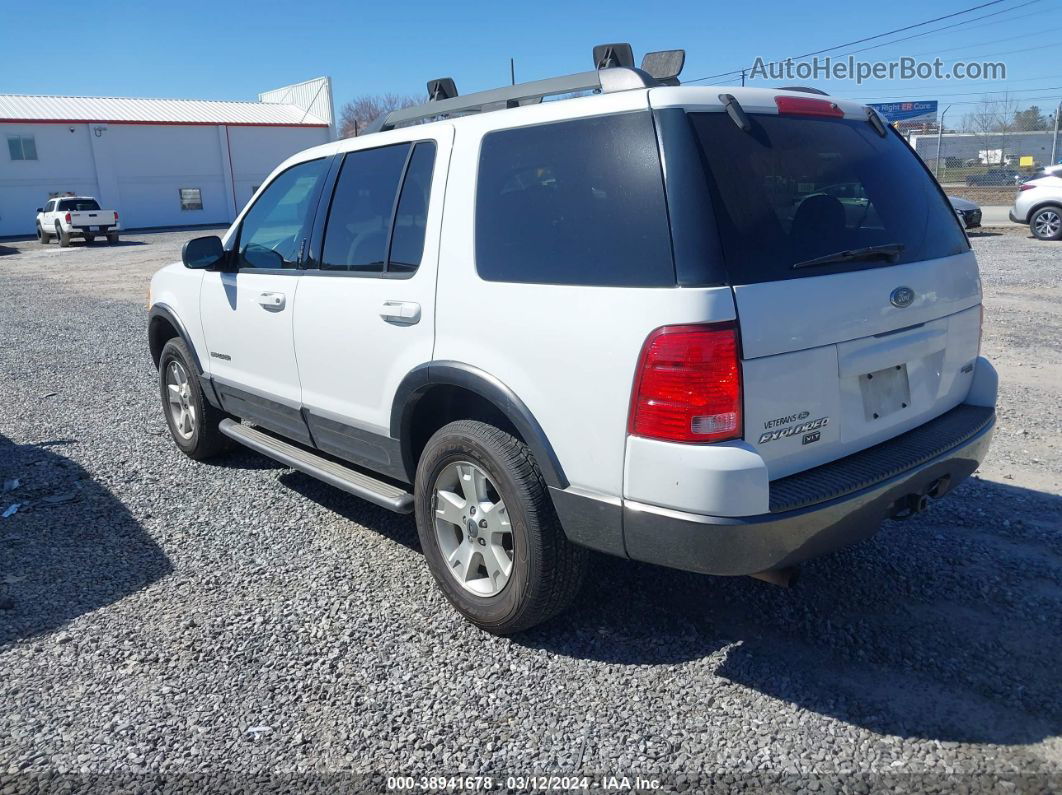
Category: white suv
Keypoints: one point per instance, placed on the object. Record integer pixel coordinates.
(647, 322)
(1038, 203)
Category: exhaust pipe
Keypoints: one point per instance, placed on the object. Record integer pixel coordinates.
(783, 578)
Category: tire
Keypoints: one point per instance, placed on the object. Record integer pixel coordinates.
(112, 238)
(1046, 223)
(43, 237)
(90, 239)
(61, 236)
(545, 570)
(197, 436)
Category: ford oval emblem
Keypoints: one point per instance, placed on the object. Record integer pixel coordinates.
(902, 297)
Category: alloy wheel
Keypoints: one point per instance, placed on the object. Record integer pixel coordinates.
(1047, 224)
(472, 529)
(179, 394)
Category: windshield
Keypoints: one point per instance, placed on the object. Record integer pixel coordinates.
(78, 205)
(798, 189)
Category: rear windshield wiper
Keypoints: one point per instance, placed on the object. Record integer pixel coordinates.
(889, 252)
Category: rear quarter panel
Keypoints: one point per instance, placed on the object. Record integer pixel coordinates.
(569, 352)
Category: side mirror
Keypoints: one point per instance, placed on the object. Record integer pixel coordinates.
(202, 252)
(40, 209)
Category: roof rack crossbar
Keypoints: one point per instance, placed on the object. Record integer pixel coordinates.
(605, 80)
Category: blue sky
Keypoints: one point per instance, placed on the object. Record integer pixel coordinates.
(229, 50)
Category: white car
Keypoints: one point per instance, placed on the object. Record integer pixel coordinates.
(1039, 204)
(629, 322)
(67, 217)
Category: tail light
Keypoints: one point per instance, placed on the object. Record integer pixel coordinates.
(807, 106)
(116, 216)
(68, 217)
(688, 385)
(1026, 186)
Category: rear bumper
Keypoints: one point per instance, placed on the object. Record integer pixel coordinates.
(1015, 218)
(747, 545)
(91, 229)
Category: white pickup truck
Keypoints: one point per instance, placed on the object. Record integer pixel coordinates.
(67, 217)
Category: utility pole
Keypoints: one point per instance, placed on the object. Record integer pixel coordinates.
(940, 131)
(1054, 138)
(512, 71)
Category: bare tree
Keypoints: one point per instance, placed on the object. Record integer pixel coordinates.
(359, 113)
(991, 121)
(1007, 110)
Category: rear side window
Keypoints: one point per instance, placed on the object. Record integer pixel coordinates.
(574, 202)
(411, 217)
(795, 189)
(367, 231)
(356, 236)
(78, 205)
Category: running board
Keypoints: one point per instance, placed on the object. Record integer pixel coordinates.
(349, 480)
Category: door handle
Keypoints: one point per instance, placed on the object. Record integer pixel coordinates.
(274, 302)
(401, 313)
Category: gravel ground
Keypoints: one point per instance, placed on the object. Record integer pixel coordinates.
(236, 625)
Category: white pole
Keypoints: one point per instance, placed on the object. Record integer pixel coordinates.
(1054, 138)
(940, 130)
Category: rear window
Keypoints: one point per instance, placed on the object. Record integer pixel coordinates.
(574, 202)
(796, 189)
(78, 205)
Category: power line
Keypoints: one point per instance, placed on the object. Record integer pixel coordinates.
(947, 27)
(979, 43)
(880, 35)
(964, 93)
(858, 96)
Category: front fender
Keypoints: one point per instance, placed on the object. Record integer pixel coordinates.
(158, 316)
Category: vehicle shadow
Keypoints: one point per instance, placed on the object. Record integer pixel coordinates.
(980, 233)
(7, 250)
(104, 244)
(945, 627)
(397, 527)
(948, 626)
(70, 548)
(240, 457)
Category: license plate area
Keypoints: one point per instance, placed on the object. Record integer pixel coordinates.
(885, 392)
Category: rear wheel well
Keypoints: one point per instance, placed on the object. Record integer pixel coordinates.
(1043, 206)
(160, 331)
(444, 404)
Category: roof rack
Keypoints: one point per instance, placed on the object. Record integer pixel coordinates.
(613, 74)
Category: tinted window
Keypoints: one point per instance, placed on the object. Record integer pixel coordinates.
(191, 198)
(576, 202)
(273, 230)
(407, 239)
(22, 147)
(795, 189)
(360, 217)
(78, 205)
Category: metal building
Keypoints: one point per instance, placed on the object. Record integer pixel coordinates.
(159, 162)
(989, 148)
